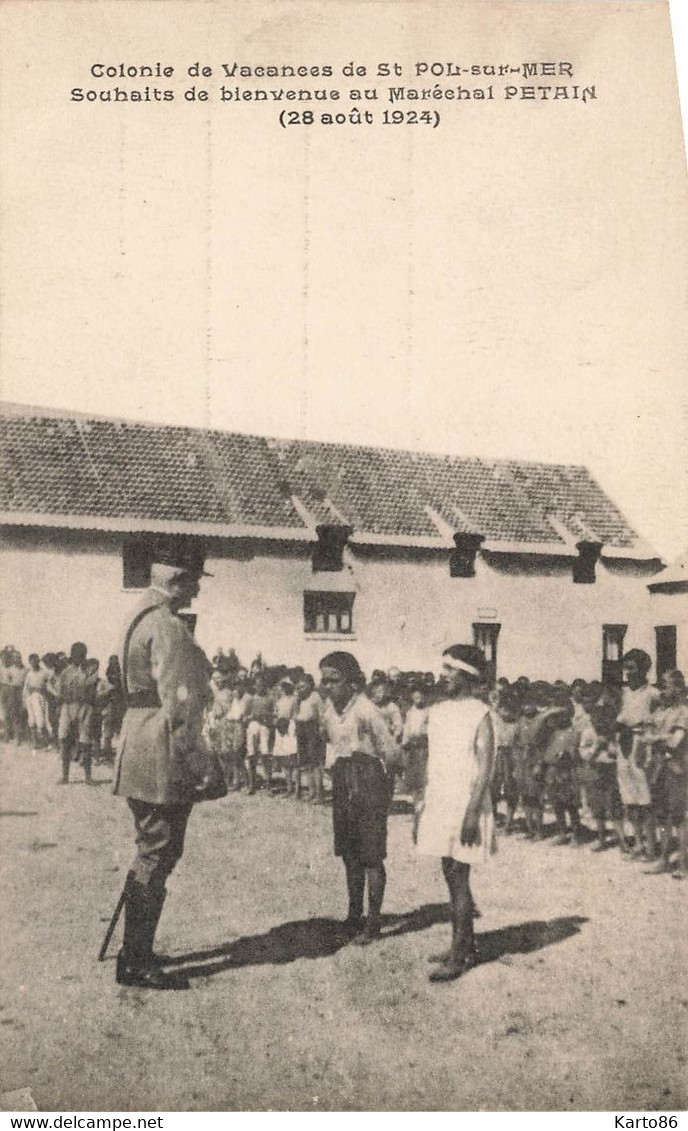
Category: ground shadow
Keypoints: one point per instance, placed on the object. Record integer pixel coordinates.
(322, 938)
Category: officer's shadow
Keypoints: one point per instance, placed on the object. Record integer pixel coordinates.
(322, 938)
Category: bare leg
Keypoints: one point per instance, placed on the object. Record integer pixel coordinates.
(682, 872)
(621, 835)
(650, 825)
(318, 785)
(462, 953)
(377, 878)
(664, 863)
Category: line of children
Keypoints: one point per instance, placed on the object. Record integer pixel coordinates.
(622, 751)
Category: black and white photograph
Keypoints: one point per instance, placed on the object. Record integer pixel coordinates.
(344, 558)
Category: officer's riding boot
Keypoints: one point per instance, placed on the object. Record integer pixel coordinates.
(66, 760)
(156, 897)
(135, 963)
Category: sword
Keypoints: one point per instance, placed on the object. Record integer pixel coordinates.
(113, 922)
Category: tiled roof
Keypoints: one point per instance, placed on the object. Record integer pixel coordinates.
(58, 464)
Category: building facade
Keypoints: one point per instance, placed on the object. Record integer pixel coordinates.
(317, 546)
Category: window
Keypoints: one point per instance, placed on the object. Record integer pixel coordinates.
(485, 637)
(328, 613)
(328, 555)
(612, 653)
(584, 564)
(462, 559)
(665, 637)
(137, 554)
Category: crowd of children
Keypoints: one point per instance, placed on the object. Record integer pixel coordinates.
(619, 754)
(62, 701)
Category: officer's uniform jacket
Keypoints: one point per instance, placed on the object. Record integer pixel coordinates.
(166, 686)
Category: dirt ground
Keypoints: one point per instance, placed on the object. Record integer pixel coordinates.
(580, 1002)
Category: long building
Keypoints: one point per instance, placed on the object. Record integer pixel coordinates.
(314, 546)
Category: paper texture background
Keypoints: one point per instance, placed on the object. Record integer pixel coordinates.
(508, 281)
(511, 283)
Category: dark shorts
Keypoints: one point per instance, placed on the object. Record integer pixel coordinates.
(669, 796)
(602, 791)
(75, 723)
(637, 812)
(360, 804)
(561, 786)
(309, 744)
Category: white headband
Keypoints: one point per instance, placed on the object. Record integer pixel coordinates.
(460, 666)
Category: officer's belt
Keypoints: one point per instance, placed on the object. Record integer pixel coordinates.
(142, 699)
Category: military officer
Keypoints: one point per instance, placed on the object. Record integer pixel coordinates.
(161, 763)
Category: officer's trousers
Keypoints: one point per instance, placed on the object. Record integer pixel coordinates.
(160, 831)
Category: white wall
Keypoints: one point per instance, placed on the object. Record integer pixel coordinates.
(64, 586)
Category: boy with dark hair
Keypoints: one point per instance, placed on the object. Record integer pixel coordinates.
(74, 727)
(598, 753)
(363, 749)
(559, 752)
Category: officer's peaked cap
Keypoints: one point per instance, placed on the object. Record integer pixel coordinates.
(182, 551)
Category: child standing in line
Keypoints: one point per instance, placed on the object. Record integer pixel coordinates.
(310, 741)
(559, 759)
(284, 748)
(414, 743)
(218, 730)
(504, 782)
(237, 722)
(637, 704)
(528, 766)
(35, 701)
(598, 751)
(260, 733)
(669, 740)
